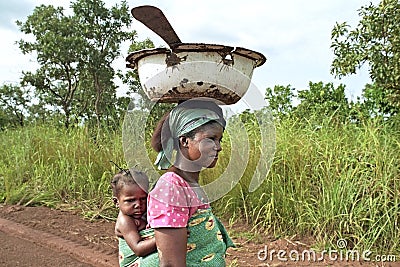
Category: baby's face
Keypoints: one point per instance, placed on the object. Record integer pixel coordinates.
(132, 201)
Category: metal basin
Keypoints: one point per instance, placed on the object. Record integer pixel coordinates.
(190, 70)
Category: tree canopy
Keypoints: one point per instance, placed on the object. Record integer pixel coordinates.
(75, 53)
(13, 104)
(375, 41)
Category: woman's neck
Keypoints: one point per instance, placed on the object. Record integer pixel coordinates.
(190, 177)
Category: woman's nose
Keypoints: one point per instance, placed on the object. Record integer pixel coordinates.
(218, 146)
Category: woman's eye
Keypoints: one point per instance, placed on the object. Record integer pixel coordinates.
(209, 140)
(219, 140)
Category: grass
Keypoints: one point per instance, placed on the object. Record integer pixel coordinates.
(48, 166)
(327, 181)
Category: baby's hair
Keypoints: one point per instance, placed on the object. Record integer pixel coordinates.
(128, 176)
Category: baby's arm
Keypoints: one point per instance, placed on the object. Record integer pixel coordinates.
(128, 228)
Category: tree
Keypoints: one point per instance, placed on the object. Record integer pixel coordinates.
(376, 102)
(75, 54)
(103, 32)
(322, 100)
(376, 41)
(13, 103)
(280, 100)
(56, 80)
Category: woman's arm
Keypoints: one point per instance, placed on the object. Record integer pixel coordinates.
(128, 229)
(171, 245)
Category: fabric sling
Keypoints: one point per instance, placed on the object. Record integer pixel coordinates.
(206, 246)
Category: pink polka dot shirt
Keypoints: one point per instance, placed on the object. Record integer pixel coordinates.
(172, 202)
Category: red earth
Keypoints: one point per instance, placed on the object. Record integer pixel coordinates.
(41, 236)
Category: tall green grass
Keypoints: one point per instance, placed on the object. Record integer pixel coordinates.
(327, 180)
(44, 165)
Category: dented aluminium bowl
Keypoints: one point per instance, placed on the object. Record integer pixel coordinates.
(189, 70)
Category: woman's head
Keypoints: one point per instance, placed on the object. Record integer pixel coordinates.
(192, 120)
(200, 147)
(129, 188)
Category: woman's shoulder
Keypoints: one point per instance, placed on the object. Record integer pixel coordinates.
(173, 178)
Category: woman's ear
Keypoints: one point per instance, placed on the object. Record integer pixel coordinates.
(115, 200)
(183, 141)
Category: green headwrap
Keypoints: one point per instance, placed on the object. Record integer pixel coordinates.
(182, 121)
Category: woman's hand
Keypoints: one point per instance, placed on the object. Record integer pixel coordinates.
(172, 246)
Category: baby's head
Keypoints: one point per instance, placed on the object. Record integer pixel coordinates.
(129, 188)
(129, 177)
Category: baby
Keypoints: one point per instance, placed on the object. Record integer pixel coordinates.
(129, 188)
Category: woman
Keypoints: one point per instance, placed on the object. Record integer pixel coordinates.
(186, 231)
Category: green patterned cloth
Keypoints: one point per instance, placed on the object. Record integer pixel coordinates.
(208, 240)
(207, 244)
(127, 257)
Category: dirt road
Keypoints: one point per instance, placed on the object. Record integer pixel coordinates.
(40, 236)
(25, 246)
(18, 252)
(50, 243)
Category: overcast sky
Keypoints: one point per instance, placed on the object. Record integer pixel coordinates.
(294, 35)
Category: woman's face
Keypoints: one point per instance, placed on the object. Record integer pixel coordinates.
(203, 149)
(132, 201)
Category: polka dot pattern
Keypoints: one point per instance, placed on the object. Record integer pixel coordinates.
(172, 202)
